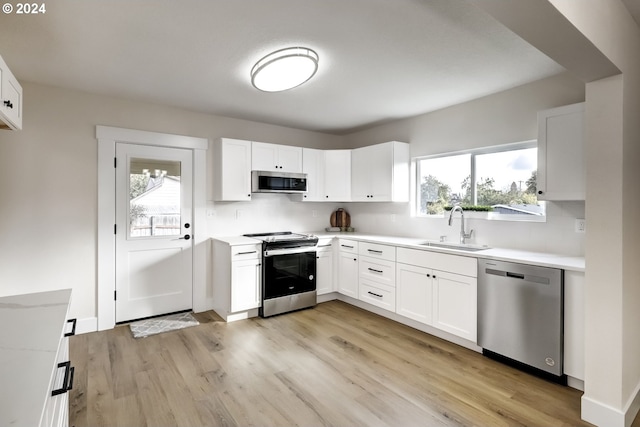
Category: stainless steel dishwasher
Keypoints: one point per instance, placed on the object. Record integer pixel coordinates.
(520, 315)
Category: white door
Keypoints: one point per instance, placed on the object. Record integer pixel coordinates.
(154, 273)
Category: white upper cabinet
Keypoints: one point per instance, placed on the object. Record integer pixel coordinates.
(10, 99)
(337, 175)
(276, 157)
(232, 170)
(380, 173)
(313, 166)
(561, 167)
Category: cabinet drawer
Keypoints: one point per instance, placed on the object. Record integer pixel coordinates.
(375, 250)
(325, 242)
(246, 252)
(378, 295)
(378, 270)
(350, 246)
(466, 266)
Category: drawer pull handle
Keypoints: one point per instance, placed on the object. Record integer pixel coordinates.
(374, 294)
(374, 251)
(67, 383)
(347, 246)
(73, 328)
(324, 246)
(375, 271)
(247, 253)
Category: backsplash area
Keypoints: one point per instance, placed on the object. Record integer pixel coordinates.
(277, 212)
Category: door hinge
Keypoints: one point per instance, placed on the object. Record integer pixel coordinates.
(115, 228)
(115, 295)
(115, 162)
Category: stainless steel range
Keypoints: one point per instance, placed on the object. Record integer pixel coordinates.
(288, 272)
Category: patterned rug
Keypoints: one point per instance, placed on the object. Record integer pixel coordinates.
(158, 325)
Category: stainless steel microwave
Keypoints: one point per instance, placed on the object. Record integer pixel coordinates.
(278, 182)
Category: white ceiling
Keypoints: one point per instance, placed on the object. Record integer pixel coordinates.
(380, 60)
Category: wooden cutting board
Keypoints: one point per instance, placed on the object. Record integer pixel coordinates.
(340, 218)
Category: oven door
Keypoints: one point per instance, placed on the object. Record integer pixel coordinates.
(288, 272)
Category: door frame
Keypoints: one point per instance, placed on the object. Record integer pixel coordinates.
(106, 275)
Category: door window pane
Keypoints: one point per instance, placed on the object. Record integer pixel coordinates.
(154, 198)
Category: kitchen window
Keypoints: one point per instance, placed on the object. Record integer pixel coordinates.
(500, 181)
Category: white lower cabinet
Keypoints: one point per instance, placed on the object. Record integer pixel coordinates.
(431, 289)
(414, 290)
(348, 267)
(237, 279)
(377, 294)
(455, 304)
(324, 267)
(377, 275)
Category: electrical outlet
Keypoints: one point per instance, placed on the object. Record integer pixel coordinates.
(314, 213)
(581, 226)
(393, 217)
(211, 213)
(239, 213)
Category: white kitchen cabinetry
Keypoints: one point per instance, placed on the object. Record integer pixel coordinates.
(10, 99)
(276, 157)
(574, 319)
(561, 166)
(348, 267)
(441, 291)
(380, 173)
(232, 170)
(324, 267)
(377, 276)
(455, 303)
(414, 292)
(337, 175)
(313, 166)
(237, 279)
(36, 371)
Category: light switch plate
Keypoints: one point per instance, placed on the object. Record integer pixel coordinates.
(580, 226)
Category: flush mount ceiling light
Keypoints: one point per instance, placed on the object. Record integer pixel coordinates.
(284, 69)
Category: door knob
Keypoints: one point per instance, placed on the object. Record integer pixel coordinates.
(187, 225)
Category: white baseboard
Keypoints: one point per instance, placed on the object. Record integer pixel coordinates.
(604, 415)
(86, 325)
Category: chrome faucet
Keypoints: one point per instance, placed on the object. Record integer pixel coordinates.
(463, 235)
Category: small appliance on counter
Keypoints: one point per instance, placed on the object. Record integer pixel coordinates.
(288, 271)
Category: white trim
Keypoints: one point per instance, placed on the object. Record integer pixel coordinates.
(86, 325)
(107, 138)
(600, 414)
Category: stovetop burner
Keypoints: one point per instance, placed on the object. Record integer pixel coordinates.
(284, 238)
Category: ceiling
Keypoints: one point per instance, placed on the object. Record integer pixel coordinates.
(380, 60)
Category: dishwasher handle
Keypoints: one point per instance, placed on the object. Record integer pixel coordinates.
(518, 276)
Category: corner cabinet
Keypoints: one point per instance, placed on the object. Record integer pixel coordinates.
(10, 99)
(561, 166)
(232, 170)
(328, 175)
(276, 157)
(237, 279)
(380, 173)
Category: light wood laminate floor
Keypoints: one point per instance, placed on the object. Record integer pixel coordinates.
(333, 365)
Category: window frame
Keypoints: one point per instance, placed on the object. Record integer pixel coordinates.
(416, 173)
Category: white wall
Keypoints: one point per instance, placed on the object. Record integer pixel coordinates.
(506, 117)
(48, 186)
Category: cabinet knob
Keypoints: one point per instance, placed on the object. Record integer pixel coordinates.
(8, 103)
(539, 191)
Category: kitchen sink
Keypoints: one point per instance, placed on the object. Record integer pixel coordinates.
(456, 246)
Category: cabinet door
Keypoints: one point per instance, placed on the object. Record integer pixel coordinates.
(561, 167)
(381, 172)
(360, 175)
(245, 285)
(324, 271)
(10, 99)
(414, 291)
(264, 157)
(290, 159)
(313, 166)
(455, 304)
(348, 274)
(337, 175)
(574, 324)
(232, 174)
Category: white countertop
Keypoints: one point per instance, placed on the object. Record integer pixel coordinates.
(565, 262)
(542, 259)
(32, 325)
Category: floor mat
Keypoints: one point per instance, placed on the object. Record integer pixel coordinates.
(158, 325)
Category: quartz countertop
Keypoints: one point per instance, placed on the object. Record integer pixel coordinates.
(565, 262)
(32, 325)
(237, 240)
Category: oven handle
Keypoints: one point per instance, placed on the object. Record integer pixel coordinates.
(276, 252)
